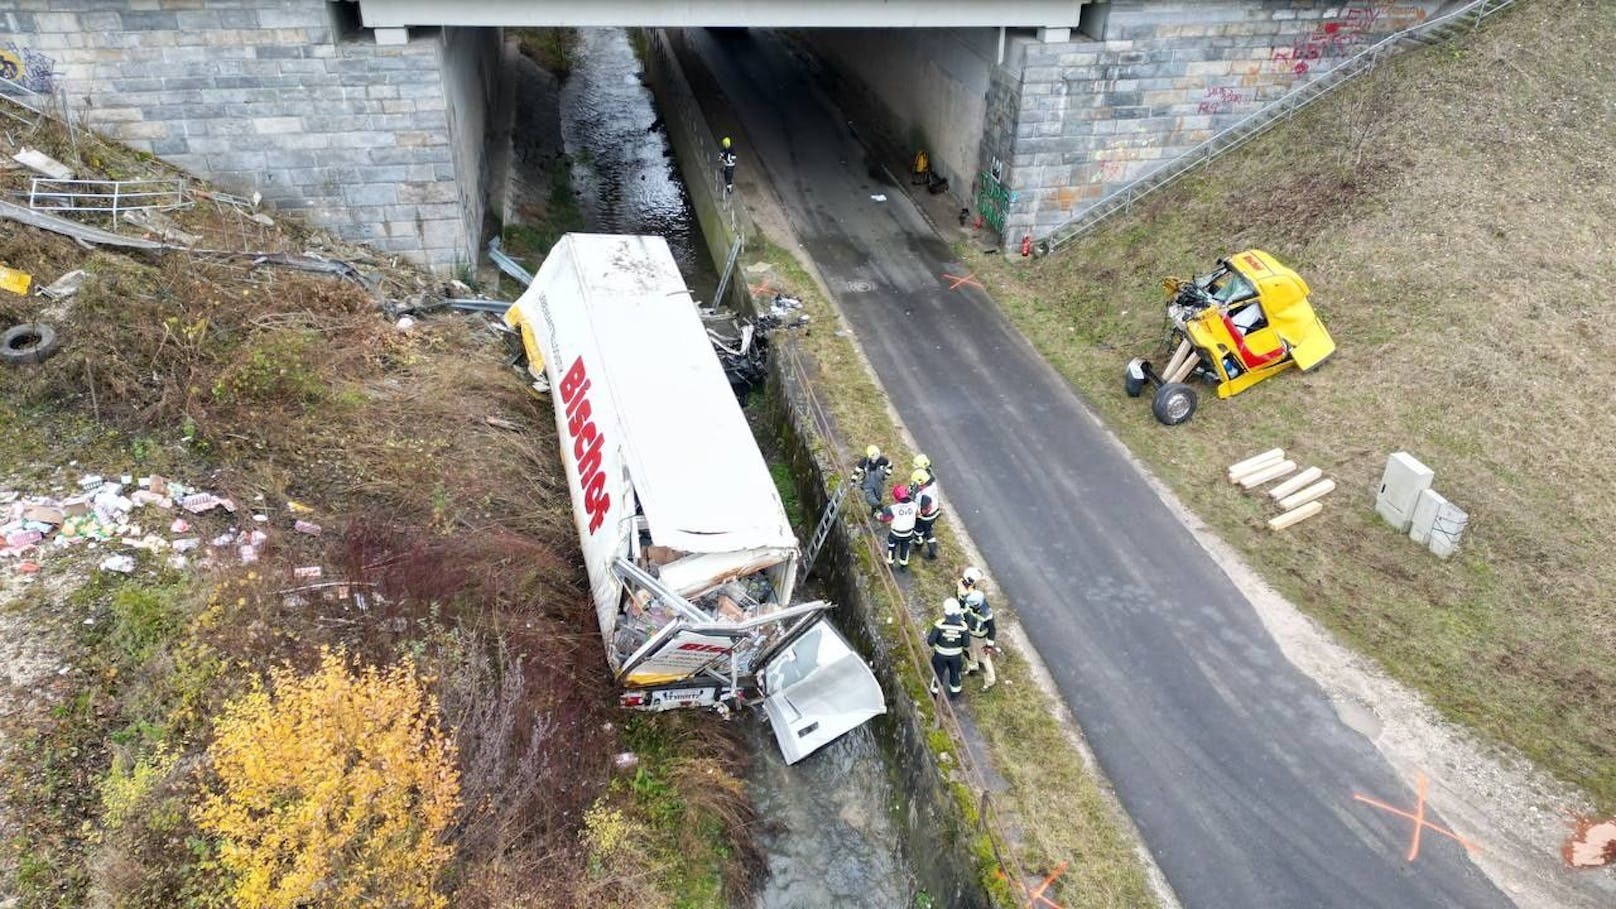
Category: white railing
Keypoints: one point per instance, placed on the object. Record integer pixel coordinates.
(1432, 31)
(109, 197)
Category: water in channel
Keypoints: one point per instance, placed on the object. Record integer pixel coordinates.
(622, 168)
(828, 828)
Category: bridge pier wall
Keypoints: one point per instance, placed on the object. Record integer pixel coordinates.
(381, 143)
(1144, 81)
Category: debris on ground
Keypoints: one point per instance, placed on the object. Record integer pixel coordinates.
(65, 286)
(107, 511)
(39, 162)
(15, 280)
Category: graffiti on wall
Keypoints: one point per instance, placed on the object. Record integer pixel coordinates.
(1342, 36)
(992, 199)
(27, 67)
(1220, 99)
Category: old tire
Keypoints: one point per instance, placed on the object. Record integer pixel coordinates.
(1174, 403)
(28, 343)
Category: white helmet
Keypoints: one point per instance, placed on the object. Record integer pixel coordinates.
(972, 575)
(974, 598)
(951, 606)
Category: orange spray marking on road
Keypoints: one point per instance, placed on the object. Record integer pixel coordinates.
(1418, 817)
(957, 280)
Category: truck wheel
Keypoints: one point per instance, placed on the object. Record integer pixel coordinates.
(1174, 403)
(1133, 378)
(28, 343)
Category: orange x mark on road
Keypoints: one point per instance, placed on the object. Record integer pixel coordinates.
(1420, 823)
(957, 280)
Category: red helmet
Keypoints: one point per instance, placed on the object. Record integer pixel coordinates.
(900, 493)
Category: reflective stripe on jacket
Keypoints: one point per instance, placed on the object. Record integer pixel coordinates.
(947, 636)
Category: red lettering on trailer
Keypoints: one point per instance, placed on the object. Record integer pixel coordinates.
(705, 648)
(586, 443)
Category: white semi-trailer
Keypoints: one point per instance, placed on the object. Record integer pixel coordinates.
(691, 558)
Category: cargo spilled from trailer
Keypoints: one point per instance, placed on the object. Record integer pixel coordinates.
(691, 558)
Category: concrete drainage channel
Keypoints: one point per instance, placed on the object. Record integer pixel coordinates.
(867, 821)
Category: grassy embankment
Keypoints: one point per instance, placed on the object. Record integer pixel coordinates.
(1453, 215)
(1051, 803)
(273, 387)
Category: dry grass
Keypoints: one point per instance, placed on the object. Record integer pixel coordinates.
(1452, 215)
(257, 382)
(1052, 807)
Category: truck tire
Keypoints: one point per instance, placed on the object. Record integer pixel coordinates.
(28, 343)
(1174, 403)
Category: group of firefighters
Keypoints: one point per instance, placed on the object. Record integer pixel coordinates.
(962, 641)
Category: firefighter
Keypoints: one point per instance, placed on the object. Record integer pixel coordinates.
(929, 500)
(726, 160)
(979, 653)
(921, 462)
(871, 473)
(947, 639)
(900, 518)
(970, 579)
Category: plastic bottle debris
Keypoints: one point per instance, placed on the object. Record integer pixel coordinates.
(307, 527)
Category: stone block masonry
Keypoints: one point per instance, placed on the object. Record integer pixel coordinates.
(1148, 81)
(288, 98)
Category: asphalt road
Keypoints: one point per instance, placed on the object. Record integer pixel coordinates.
(1233, 764)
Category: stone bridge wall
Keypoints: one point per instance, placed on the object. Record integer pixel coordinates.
(378, 143)
(1144, 81)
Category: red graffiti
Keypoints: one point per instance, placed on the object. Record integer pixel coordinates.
(1341, 36)
(1221, 99)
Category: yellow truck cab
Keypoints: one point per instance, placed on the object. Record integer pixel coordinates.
(1234, 327)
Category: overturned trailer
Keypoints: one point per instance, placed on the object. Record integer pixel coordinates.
(692, 561)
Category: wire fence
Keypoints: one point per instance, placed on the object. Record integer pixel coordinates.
(988, 821)
(1432, 31)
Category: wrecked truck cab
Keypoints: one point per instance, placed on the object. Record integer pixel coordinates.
(691, 558)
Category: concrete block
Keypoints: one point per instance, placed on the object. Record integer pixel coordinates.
(308, 15)
(237, 18)
(370, 194)
(1400, 487)
(1424, 515)
(1447, 529)
(134, 21)
(269, 126)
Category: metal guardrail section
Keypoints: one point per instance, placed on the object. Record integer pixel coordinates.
(23, 97)
(1430, 32)
(111, 197)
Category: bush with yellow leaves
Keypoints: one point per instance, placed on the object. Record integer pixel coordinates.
(334, 788)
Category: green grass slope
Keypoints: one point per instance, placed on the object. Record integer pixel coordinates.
(1454, 214)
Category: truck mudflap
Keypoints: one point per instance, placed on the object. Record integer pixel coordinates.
(817, 689)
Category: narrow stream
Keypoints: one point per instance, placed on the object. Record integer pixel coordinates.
(623, 170)
(828, 826)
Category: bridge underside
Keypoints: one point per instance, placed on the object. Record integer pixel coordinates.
(735, 13)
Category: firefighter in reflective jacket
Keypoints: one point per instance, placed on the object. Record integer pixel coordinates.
(871, 473)
(900, 520)
(979, 653)
(947, 639)
(970, 579)
(930, 502)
